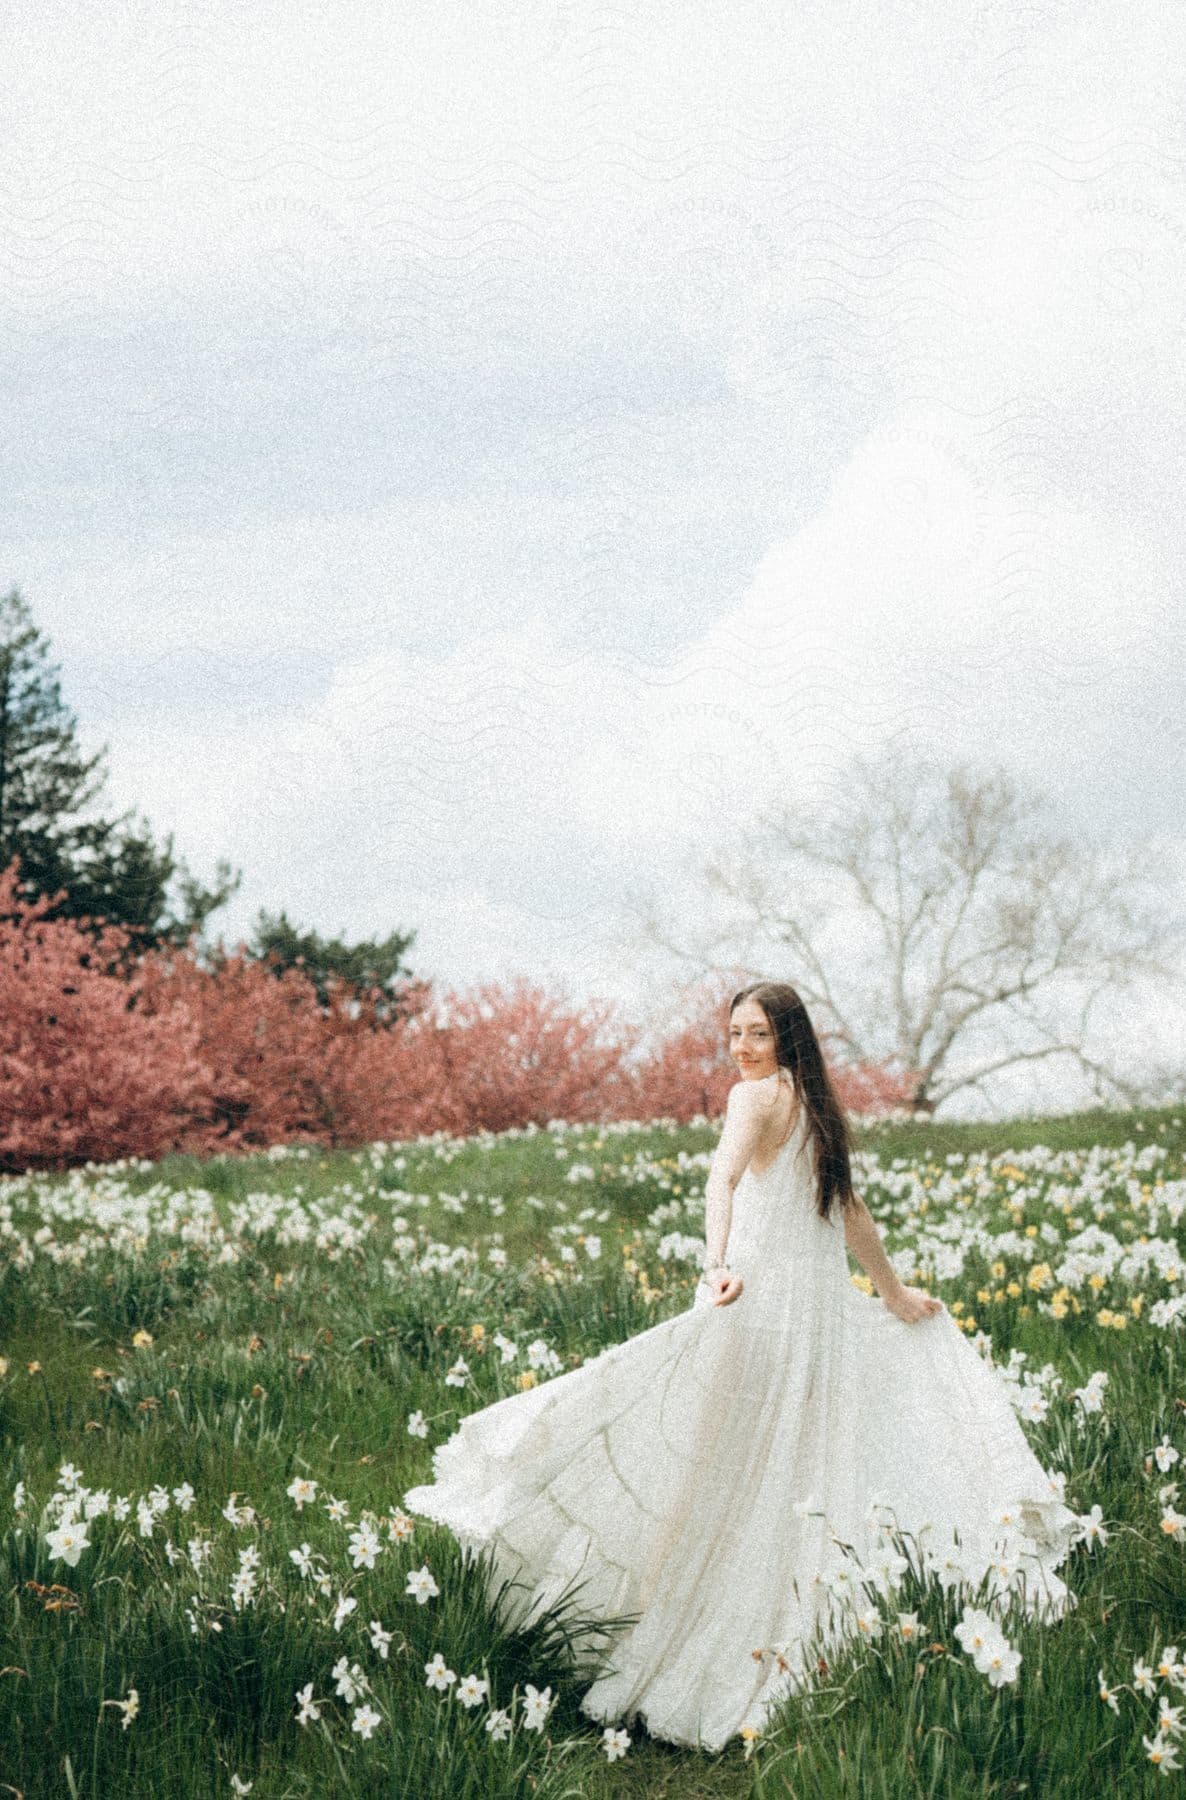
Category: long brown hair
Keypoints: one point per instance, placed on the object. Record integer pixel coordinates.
(797, 1049)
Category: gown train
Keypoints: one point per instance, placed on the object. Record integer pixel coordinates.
(706, 1473)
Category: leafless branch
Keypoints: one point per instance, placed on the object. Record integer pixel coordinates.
(986, 919)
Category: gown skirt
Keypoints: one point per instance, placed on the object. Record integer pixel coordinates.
(706, 1476)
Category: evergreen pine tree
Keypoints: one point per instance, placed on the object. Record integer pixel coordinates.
(369, 963)
(109, 869)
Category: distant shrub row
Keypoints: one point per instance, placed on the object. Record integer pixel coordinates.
(107, 1054)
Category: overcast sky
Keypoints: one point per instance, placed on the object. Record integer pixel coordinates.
(467, 457)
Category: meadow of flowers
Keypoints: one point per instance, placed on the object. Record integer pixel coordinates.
(217, 1378)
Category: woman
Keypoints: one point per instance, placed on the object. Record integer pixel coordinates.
(701, 1479)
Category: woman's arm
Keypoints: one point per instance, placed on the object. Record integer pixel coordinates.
(864, 1240)
(745, 1112)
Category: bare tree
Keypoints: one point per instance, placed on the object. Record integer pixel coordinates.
(987, 925)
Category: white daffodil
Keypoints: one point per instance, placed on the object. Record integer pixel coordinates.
(1091, 1528)
(471, 1690)
(400, 1526)
(421, 1585)
(345, 1606)
(1091, 1395)
(351, 1682)
(976, 1629)
(307, 1709)
(130, 1706)
(1161, 1752)
(68, 1542)
(536, 1706)
(437, 1675)
(999, 1662)
(364, 1546)
(1169, 1719)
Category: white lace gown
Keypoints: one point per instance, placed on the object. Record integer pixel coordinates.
(703, 1474)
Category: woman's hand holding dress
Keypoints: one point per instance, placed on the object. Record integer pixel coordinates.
(724, 1286)
(912, 1304)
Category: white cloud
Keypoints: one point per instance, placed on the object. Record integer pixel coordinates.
(479, 456)
(527, 785)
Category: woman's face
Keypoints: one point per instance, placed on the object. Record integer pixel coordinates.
(751, 1041)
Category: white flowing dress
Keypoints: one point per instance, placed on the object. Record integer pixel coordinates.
(703, 1475)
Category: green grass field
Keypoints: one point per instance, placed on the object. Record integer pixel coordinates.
(183, 1346)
